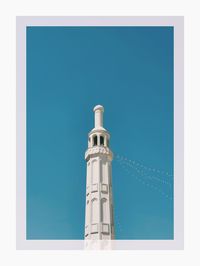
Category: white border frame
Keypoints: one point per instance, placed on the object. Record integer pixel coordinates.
(177, 23)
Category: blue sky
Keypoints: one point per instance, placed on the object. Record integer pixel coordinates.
(128, 70)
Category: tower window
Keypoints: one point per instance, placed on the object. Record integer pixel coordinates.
(95, 141)
(101, 140)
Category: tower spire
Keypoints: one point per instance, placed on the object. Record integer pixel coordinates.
(98, 117)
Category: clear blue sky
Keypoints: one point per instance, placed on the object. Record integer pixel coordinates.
(128, 70)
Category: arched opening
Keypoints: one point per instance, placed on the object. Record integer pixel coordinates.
(101, 140)
(95, 140)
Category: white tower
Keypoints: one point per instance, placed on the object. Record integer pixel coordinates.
(99, 223)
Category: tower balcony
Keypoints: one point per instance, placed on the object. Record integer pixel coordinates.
(98, 150)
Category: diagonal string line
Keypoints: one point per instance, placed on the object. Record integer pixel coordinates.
(146, 168)
(147, 184)
(144, 174)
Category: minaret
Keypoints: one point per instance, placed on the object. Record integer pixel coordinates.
(99, 223)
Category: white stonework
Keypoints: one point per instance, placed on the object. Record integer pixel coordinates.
(99, 223)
